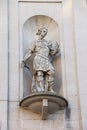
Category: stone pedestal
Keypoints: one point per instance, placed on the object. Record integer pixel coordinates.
(44, 103)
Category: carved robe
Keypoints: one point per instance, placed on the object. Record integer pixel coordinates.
(42, 49)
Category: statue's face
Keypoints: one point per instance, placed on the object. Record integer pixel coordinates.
(43, 32)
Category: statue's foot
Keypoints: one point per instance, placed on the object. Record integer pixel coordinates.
(51, 90)
(42, 89)
(34, 91)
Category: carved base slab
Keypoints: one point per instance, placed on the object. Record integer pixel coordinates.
(44, 103)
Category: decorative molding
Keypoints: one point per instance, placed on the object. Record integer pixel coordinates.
(41, 1)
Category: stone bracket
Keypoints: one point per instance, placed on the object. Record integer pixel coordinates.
(44, 109)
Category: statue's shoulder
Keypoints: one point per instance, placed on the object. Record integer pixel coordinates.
(35, 42)
(49, 42)
(54, 44)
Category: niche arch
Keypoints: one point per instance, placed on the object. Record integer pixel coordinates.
(29, 30)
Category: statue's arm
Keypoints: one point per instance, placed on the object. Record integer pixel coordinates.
(30, 51)
(28, 54)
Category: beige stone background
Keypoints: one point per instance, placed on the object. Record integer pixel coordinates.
(71, 18)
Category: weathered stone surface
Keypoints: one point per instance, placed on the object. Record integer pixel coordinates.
(44, 103)
(70, 16)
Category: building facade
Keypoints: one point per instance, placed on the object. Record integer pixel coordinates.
(67, 23)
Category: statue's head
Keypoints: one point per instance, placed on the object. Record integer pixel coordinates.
(42, 31)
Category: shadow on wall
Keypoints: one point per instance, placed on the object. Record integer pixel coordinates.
(29, 35)
(68, 113)
(68, 118)
(0, 124)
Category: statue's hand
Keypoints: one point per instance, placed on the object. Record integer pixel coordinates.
(22, 63)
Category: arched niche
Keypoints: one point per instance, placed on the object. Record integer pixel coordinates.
(30, 28)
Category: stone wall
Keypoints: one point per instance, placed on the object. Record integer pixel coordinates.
(70, 15)
(3, 64)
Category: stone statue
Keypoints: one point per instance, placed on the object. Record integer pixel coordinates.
(43, 99)
(43, 71)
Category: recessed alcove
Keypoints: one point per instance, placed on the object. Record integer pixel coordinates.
(30, 28)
